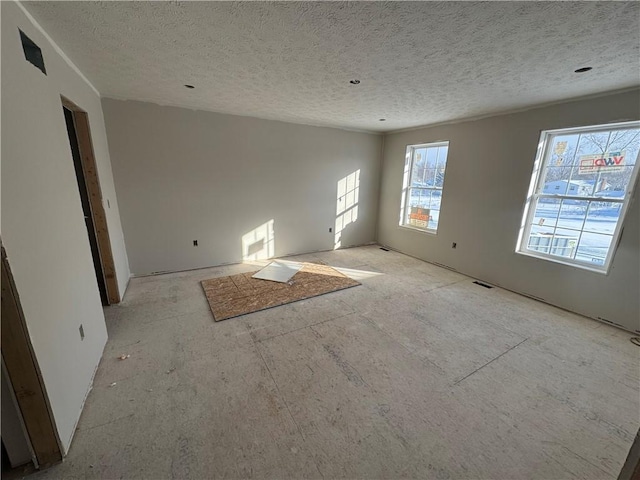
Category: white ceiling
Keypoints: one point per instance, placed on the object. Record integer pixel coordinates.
(418, 62)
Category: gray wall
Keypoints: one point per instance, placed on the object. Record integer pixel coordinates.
(184, 175)
(488, 172)
(43, 227)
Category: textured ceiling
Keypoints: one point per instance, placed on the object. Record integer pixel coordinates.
(418, 62)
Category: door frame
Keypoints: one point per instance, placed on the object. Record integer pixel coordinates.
(24, 374)
(94, 192)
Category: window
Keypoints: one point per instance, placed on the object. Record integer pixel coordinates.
(422, 185)
(582, 183)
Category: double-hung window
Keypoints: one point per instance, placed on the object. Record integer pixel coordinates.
(582, 182)
(422, 185)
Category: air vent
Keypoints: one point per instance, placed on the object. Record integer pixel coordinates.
(32, 52)
(483, 284)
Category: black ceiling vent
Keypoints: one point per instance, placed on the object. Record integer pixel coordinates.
(32, 52)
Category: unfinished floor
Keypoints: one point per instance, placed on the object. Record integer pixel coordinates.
(418, 373)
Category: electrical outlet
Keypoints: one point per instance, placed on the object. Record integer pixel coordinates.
(195, 243)
(454, 245)
(81, 330)
(330, 229)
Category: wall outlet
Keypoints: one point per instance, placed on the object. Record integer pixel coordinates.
(81, 330)
(454, 245)
(330, 229)
(195, 243)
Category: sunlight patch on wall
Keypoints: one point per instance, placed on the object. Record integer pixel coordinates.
(346, 204)
(259, 243)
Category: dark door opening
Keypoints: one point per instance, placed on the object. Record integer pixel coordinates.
(86, 205)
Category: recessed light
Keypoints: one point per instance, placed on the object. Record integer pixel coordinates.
(354, 82)
(583, 69)
(383, 119)
(190, 86)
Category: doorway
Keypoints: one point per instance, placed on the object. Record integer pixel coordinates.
(77, 122)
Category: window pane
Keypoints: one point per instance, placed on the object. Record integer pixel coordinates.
(439, 177)
(429, 177)
(560, 164)
(419, 166)
(564, 243)
(627, 141)
(434, 216)
(442, 157)
(593, 143)
(573, 214)
(546, 212)
(593, 248)
(560, 184)
(614, 184)
(603, 217)
(419, 197)
(432, 157)
(422, 198)
(583, 174)
(540, 239)
(436, 198)
(606, 164)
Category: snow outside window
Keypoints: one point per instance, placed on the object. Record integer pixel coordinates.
(582, 182)
(422, 186)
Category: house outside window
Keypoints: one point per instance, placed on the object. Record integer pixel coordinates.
(423, 184)
(582, 183)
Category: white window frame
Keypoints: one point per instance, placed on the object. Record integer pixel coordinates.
(535, 192)
(406, 184)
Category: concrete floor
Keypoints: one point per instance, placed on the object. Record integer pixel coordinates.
(418, 373)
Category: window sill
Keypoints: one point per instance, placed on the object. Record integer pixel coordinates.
(419, 230)
(582, 266)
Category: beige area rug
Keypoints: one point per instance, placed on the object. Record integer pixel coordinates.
(237, 295)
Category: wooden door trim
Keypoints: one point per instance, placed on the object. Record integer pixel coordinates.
(90, 171)
(24, 374)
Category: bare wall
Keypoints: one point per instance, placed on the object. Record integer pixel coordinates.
(43, 226)
(224, 180)
(488, 172)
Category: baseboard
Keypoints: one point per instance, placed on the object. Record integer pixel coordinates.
(225, 264)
